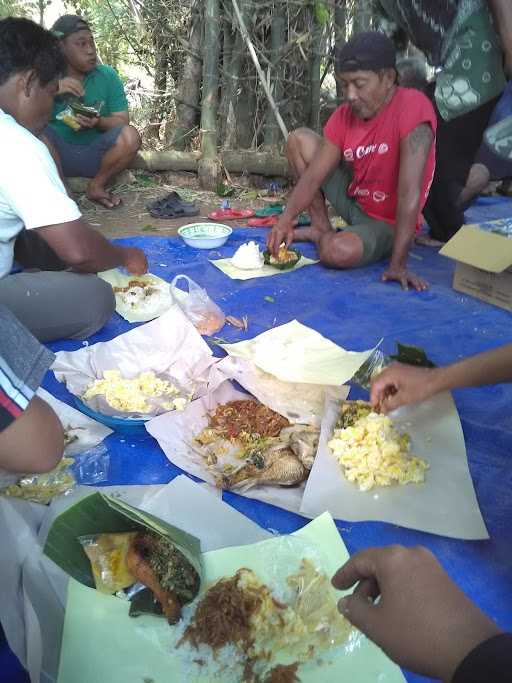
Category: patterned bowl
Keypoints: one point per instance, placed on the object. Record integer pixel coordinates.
(205, 235)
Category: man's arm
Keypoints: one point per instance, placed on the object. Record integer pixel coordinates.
(502, 13)
(401, 384)
(327, 158)
(34, 442)
(87, 251)
(414, 151)
(118, 118)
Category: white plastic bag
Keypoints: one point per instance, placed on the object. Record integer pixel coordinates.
(202, 312)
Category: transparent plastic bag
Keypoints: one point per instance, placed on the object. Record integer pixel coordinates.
(68, 117)
(88, 468)
(107, 555)
(202, 312)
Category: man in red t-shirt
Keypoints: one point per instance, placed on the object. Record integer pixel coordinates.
(374, 163)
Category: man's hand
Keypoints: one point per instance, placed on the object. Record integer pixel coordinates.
(135, 261)
(405, 278)
(281, 232)
(71, 86)
(87, 121)
(422, 621)
(398, 385)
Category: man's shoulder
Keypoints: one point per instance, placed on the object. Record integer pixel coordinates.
(106, 72)
(15, 136)
(412, 98)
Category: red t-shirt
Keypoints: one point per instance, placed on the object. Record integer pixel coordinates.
(372, 150)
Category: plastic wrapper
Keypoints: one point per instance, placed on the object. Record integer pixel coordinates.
(107, 555)
(158, 393)
(91, 467)
(377, 361)
(68, 117)
(202, 311)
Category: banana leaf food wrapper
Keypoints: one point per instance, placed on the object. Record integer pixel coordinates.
(109, 545)
(285, 260)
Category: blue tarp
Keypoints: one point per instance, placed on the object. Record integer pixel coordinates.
(354, 309)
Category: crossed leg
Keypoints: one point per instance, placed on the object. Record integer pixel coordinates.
(335, 250)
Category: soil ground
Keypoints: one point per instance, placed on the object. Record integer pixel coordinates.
(132, 217)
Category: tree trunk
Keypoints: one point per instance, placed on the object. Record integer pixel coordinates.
(187, 100)
(209, 166)
(235, 161)
(340, 37)
(159, 108)
(277, 39)
(316, 63)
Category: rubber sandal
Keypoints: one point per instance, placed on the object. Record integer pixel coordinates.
(230, 214)
(171, 206)
(272, 210)
(264, 222)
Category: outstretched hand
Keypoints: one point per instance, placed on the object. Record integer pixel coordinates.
(398, 385)
(405, 278)
(423, 621)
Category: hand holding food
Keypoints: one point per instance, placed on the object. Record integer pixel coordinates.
(135, 261)
(422, 620)
(399, 385)
(281, 232)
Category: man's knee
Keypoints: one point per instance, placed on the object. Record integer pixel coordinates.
(302, 140)
(340, 250)
(100, 305)
(130, 139)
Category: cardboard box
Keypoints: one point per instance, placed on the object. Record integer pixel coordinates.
(484, 263)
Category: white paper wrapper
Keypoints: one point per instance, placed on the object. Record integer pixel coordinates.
(444, 504)
(88, 432)
(302, 403)
(143, 311)
(296, 353)
(175, 434)
(169, 346)
(235, 273)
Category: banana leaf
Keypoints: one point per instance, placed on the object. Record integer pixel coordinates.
(99, 513)
(282, 266)
(412, 355)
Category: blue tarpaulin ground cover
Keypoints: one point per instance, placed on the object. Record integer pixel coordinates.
(354, 309)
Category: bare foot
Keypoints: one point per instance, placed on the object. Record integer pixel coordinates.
(426, 241)
(310, 233)
(98, 194)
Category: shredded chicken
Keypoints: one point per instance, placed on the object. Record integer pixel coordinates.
(224, 615)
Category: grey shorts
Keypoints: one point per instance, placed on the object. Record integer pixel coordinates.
(83, 160)
(377, 236)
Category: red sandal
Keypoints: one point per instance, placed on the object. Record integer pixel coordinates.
(230, 214)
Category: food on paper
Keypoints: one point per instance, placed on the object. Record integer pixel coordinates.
(371, 451)
(241, 615)
(132, 395)
(247, 444)
(248, 257)
(144, 296)
(285, 259)
(157, 563)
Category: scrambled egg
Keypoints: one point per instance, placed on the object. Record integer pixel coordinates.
(373, 453)
(130, 395)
